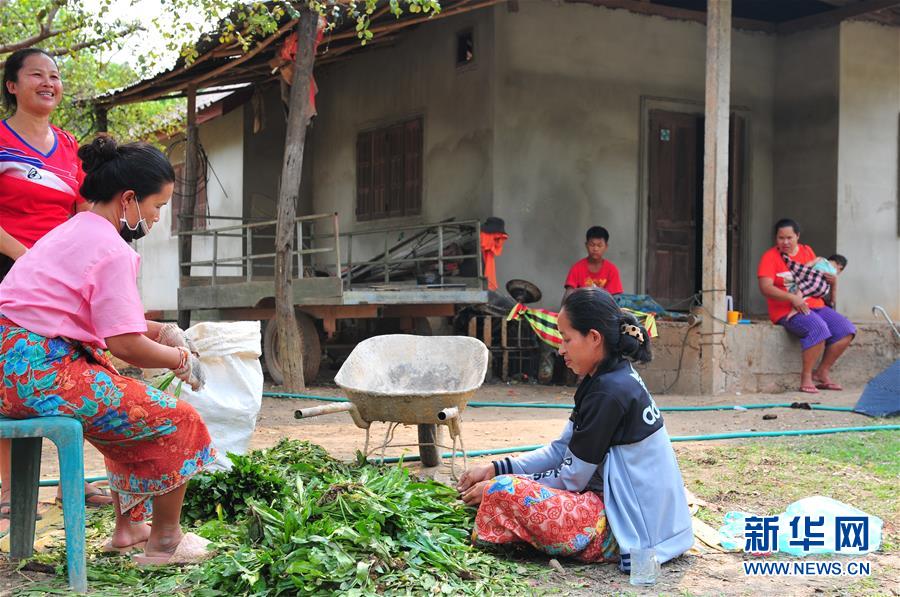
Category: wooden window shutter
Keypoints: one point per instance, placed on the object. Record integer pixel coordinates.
(412, 181)
(364, 176)
(396, 190)
(389, 171)
(379, 173)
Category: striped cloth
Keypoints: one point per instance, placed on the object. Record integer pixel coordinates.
(810, 282)
(544, 322)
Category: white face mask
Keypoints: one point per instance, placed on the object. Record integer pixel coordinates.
(140, 229)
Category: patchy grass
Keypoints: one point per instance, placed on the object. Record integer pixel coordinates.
(763, 477)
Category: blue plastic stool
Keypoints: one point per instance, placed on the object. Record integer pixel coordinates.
(27, 436)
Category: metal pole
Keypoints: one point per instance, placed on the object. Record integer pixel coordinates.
(387, 275)
(337, 247)
(441, 252)
(215, 256)
(249, 253)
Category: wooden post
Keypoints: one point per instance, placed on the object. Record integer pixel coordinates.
(189, 196)
(715, 193)
(290, 339)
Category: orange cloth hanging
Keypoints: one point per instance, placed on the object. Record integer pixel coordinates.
(288, 53)
(491, 248)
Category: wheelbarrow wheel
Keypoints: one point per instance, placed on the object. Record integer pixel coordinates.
(429, 435)
(312, 349)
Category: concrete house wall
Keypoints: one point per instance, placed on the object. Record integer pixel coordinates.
(867, 227)
(417, 77)
(543, 131)
(806, 135)
(569, 141)
(159, 275)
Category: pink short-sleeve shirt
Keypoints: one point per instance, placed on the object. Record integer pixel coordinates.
(79, 281)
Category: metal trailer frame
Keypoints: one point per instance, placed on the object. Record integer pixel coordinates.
(213, 294)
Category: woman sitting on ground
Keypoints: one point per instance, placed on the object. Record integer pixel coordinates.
(823, 332)
(74, 295)
(610, 483)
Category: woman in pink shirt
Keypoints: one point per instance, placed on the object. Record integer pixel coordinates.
(73, 296)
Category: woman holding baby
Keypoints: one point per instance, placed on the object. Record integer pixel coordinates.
(823, 332)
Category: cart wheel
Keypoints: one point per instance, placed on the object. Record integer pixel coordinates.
(312, 349)
(431, 454)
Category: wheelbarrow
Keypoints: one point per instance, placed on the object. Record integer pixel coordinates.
(410, 380)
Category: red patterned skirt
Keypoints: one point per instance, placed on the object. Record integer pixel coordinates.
(151, 441)
(517, 509)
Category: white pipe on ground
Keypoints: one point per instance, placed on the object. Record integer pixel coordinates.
(327, 409)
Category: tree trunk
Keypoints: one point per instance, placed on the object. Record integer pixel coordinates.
(290, 340)
(189, 198)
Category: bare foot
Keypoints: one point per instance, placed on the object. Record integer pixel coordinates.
(131, 534)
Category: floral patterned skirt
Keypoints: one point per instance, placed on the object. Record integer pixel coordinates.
(558, 522)
(152, 442)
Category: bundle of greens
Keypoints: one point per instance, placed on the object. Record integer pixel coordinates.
(291, 520)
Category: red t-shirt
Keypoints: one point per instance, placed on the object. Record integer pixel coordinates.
(771, 265)
(38, 191)
(607, 277)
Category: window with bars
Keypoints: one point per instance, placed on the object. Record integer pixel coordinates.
(178, 197)
(389, 171)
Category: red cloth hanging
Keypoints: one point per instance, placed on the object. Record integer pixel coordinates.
(288, 53)
(491, 248)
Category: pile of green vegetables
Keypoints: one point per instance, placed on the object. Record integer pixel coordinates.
(291, 520)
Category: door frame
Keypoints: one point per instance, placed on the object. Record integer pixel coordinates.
(687, 106)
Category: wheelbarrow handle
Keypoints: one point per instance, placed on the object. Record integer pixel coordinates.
(327, 409)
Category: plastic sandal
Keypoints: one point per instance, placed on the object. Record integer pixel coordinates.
(190, 550)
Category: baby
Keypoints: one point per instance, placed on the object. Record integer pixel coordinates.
(809, 279)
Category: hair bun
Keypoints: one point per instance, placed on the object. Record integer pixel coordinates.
(103, 149)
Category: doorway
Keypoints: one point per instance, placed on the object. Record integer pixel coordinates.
(675, 207)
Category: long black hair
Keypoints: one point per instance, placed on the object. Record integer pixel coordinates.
(111, 168)
(623, 336)
(14, 64)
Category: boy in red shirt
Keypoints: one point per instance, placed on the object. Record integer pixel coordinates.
(594, 270)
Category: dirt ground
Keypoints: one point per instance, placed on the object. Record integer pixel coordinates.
(708, 573)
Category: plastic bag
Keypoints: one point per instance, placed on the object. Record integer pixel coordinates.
(232, 397)
(731, 534)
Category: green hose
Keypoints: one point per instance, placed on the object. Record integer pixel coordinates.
(682, 438)
(677, 438)
(55, 482)
(476, 404)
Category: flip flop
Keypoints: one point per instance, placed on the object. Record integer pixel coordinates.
(101, 491)
(190, 550)
(809, 389)
(109, 548)
(830, 386)
(8, 507)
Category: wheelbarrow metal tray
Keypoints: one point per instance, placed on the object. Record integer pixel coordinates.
(410, 379)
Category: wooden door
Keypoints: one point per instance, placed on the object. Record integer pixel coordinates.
(675, 148)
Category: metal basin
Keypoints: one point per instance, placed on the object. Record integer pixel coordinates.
(411, 379)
